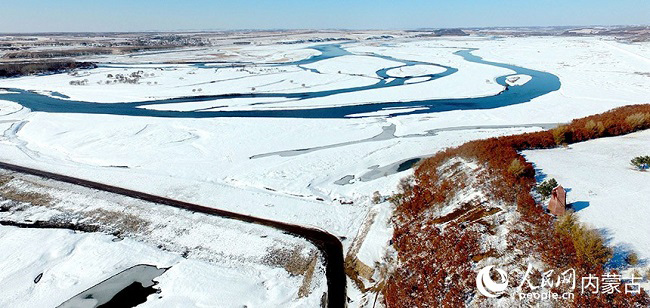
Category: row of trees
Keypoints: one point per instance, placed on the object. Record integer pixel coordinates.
(29, 68)
(133, 78)
(79, 82)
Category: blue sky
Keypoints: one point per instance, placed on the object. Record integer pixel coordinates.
(142, 15)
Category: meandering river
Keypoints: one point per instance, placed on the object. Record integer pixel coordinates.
(540, 84)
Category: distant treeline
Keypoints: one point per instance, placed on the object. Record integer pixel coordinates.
(79, 52)
(21, 69)
(45, 54)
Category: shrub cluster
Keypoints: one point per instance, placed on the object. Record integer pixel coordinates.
(588, 244)
(546, 188)
(441, 275)
(641, 162)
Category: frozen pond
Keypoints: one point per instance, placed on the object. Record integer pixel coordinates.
(128, 288)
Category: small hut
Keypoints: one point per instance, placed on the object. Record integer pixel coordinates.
(557, 205)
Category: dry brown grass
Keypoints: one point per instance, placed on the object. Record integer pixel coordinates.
(308, 276)
(638, 120)
(292, 260)
(4, 179)
(357, 271)
(33, 198)
(598, 128)
(11, 193)
(559, 134)
(589, 244)
(632, 259)
(122, 223)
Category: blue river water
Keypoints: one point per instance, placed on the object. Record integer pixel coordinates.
(540, 84)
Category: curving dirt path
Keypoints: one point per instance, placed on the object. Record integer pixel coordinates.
(329, 245)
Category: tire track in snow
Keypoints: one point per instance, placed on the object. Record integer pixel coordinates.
(11, 135)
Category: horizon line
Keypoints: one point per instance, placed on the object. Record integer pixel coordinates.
(323, 29)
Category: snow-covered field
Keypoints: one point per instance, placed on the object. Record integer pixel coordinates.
(415, 70)
(208, 265)
(72, 262)
(318, 172)
(604, 189)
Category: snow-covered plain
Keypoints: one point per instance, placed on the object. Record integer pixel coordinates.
(241, 164)
(207, 264)
(73, 262)
(415, 70)
(604, 189)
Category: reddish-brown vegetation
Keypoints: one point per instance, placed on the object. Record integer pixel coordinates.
(428, 255)
(441, 279)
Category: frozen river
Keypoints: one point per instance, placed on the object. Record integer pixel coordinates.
(540, 84)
